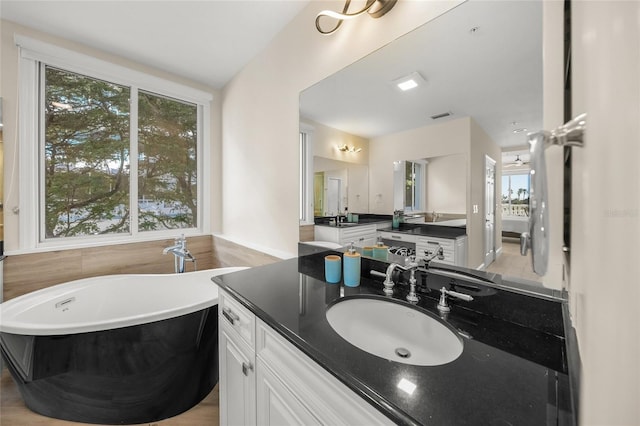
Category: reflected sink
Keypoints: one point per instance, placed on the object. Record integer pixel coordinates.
(394, 331)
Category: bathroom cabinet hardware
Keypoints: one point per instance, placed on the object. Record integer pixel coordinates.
(230, 316)
(246, 368)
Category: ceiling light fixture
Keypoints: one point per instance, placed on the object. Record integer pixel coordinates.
(409, 82)
(375, 9)
(345, 148)
(520, 130)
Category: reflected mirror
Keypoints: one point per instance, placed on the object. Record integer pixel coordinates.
(433, 185)
(477, 72)
(338, 185)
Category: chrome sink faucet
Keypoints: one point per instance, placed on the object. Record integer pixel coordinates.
(411, 266)
(388, 280)
(430, 255)
(181, 254)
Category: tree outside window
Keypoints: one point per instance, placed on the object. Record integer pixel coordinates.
(87, 164)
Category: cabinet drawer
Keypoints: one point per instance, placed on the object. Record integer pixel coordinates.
(238, 318)
(357, 231)
(325, 398)
(357, 234)
(398, 236)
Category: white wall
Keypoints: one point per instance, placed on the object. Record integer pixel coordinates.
(447, 184)
(605, 254)
(260, 117)
(326, 141)
(481, 145)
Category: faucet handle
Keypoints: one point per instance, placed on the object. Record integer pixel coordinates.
(443, 306)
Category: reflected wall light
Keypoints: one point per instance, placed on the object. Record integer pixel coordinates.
(345, 148)
(375, 9)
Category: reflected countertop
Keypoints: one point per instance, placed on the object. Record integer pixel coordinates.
(511, 370)
(428, 230)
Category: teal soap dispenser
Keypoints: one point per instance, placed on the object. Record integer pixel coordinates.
(351, 262)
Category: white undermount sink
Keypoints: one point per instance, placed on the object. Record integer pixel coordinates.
(394, 331)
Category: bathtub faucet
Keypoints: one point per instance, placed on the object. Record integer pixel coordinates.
(180, 254)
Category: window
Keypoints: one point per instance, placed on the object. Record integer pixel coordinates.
(86, 153)
(414, 178)
(120, 151)
(167, 163)
(515, 195)
(306, 212)
(303, 177)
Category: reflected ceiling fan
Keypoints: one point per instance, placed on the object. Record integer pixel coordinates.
(517, 163)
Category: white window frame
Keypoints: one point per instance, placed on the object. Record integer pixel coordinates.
(418, 187)
(32, 53)
(306, 176)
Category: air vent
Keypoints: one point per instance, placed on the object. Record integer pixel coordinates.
(443, 115)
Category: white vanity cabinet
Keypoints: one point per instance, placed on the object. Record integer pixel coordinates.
(237, 383)
(361, 235)
(397, 236)
(454, 250)
(289, 387)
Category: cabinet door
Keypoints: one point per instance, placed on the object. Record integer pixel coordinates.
(277, 406)
(237, 381)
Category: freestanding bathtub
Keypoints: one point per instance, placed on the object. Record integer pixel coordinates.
(116, 349)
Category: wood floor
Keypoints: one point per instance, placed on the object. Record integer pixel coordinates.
(13, 412)
(511, 264)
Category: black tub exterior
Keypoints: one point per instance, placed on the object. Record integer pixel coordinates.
(136, 374)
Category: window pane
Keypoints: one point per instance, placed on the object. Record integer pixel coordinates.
(167, 163)
(86, 174)
(515, 195)
(506, 190)
(408, 185)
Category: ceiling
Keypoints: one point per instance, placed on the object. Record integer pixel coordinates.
(207, 41)
(482, 59)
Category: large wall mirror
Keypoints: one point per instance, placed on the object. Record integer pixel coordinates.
(1, 184)
(478, 71)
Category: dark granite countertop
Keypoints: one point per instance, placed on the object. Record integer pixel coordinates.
(363, 219)
(512, 369)
(427, 230)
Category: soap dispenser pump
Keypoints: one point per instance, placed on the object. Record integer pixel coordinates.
(380, 251)
(351, 262)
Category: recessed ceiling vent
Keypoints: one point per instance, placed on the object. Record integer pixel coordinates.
(443, 115)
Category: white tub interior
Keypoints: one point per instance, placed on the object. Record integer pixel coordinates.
(112, 301)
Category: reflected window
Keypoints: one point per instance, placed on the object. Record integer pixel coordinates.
(515, 194)
(414, 186)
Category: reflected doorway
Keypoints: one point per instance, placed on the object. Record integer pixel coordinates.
(318, 193)
(490, 211)
(334, 186)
